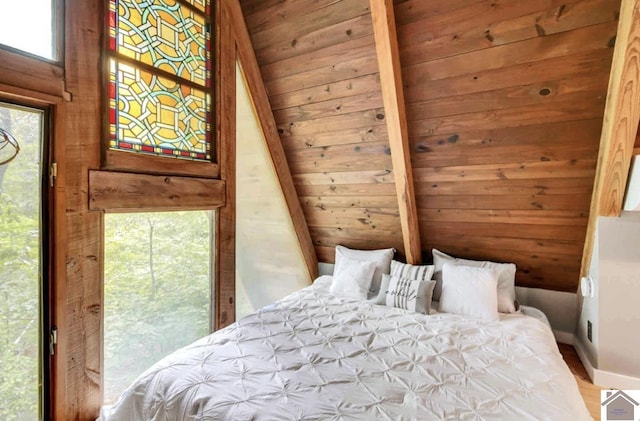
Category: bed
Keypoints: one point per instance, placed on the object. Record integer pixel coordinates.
(315, 355)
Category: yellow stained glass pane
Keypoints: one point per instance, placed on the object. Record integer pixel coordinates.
(165, 34)
(155, 115)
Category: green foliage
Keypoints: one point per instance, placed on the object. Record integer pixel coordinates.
(20, 270)
(157, 290)
(157, 281)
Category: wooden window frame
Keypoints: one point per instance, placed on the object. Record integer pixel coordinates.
(117, 160)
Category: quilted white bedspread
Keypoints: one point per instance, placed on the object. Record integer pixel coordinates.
(314, 356)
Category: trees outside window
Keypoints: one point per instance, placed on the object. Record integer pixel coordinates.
(157, 289)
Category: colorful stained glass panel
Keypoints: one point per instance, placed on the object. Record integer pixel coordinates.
(163, 33)
(152, 114)
(160, 77)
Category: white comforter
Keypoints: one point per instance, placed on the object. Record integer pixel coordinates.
(314, 356)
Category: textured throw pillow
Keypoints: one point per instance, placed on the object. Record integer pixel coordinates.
(471, 291)
(417, 272)
(353, 278)
(405, 293)
(506, 278)
(381, 258)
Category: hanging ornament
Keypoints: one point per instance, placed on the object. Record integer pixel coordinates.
(9, 147)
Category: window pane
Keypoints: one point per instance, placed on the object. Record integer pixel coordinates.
(163, 34)
(20, 265)
(160, 78)
(152, 114)
(157, 290)
(27, 25)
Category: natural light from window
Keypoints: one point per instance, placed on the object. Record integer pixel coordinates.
(157, 289)
(28, 25)
(20, 265)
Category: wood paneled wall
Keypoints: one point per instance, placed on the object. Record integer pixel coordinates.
(504, 102)
(319, 64)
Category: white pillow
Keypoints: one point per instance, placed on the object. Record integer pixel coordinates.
(381, 258)
(471, 291)
(353, 278)
(408, 294)
(506, 278)
(416, 272)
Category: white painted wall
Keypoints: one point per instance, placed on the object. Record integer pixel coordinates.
(269, 261)
(615, 311)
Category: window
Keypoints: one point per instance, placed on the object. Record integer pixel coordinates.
(160, 79)
(28, 25)
(158, 282)
(22, 264)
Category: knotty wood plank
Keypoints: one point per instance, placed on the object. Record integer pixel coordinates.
(326, 57)
(580, 86)
(357, 218)
(532, 186)
(331, 91)
(564, 18)
(415, 10)
(339, 158)
(339, 122)
(529, 170)
(529, 143)
(526, 217)
(309, 22)
(281, 12)
(337, 33)
(253, 78)
(555, 110)
(319, 110)
(121, 192)
(384, 29)
(578, 202)
(340, 71)
(353, 136)
(556, 68)
(579, 40)
(511, 22)
(324, 202)
(572, 147)
(346, 177)
(379, 241)
(447, 229)
(551, 246)
(622, 114)
(347, 190)
(505, 256)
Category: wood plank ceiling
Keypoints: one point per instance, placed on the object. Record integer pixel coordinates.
(504, 103)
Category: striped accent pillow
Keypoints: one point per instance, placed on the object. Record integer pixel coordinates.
(406, 293)
(415, 272)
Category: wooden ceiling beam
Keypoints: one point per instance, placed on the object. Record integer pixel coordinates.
(262, 107)
(384, 28)
(619, 128)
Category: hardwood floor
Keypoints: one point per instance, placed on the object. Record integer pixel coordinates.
(590, 392)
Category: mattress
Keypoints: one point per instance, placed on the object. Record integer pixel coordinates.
(315, 356)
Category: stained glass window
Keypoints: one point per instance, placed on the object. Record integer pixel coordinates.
(160, 77)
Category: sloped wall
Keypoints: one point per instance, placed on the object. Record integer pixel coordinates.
(504, 105)
(269, 263)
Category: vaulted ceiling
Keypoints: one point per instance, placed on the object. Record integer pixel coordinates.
(501, 109)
